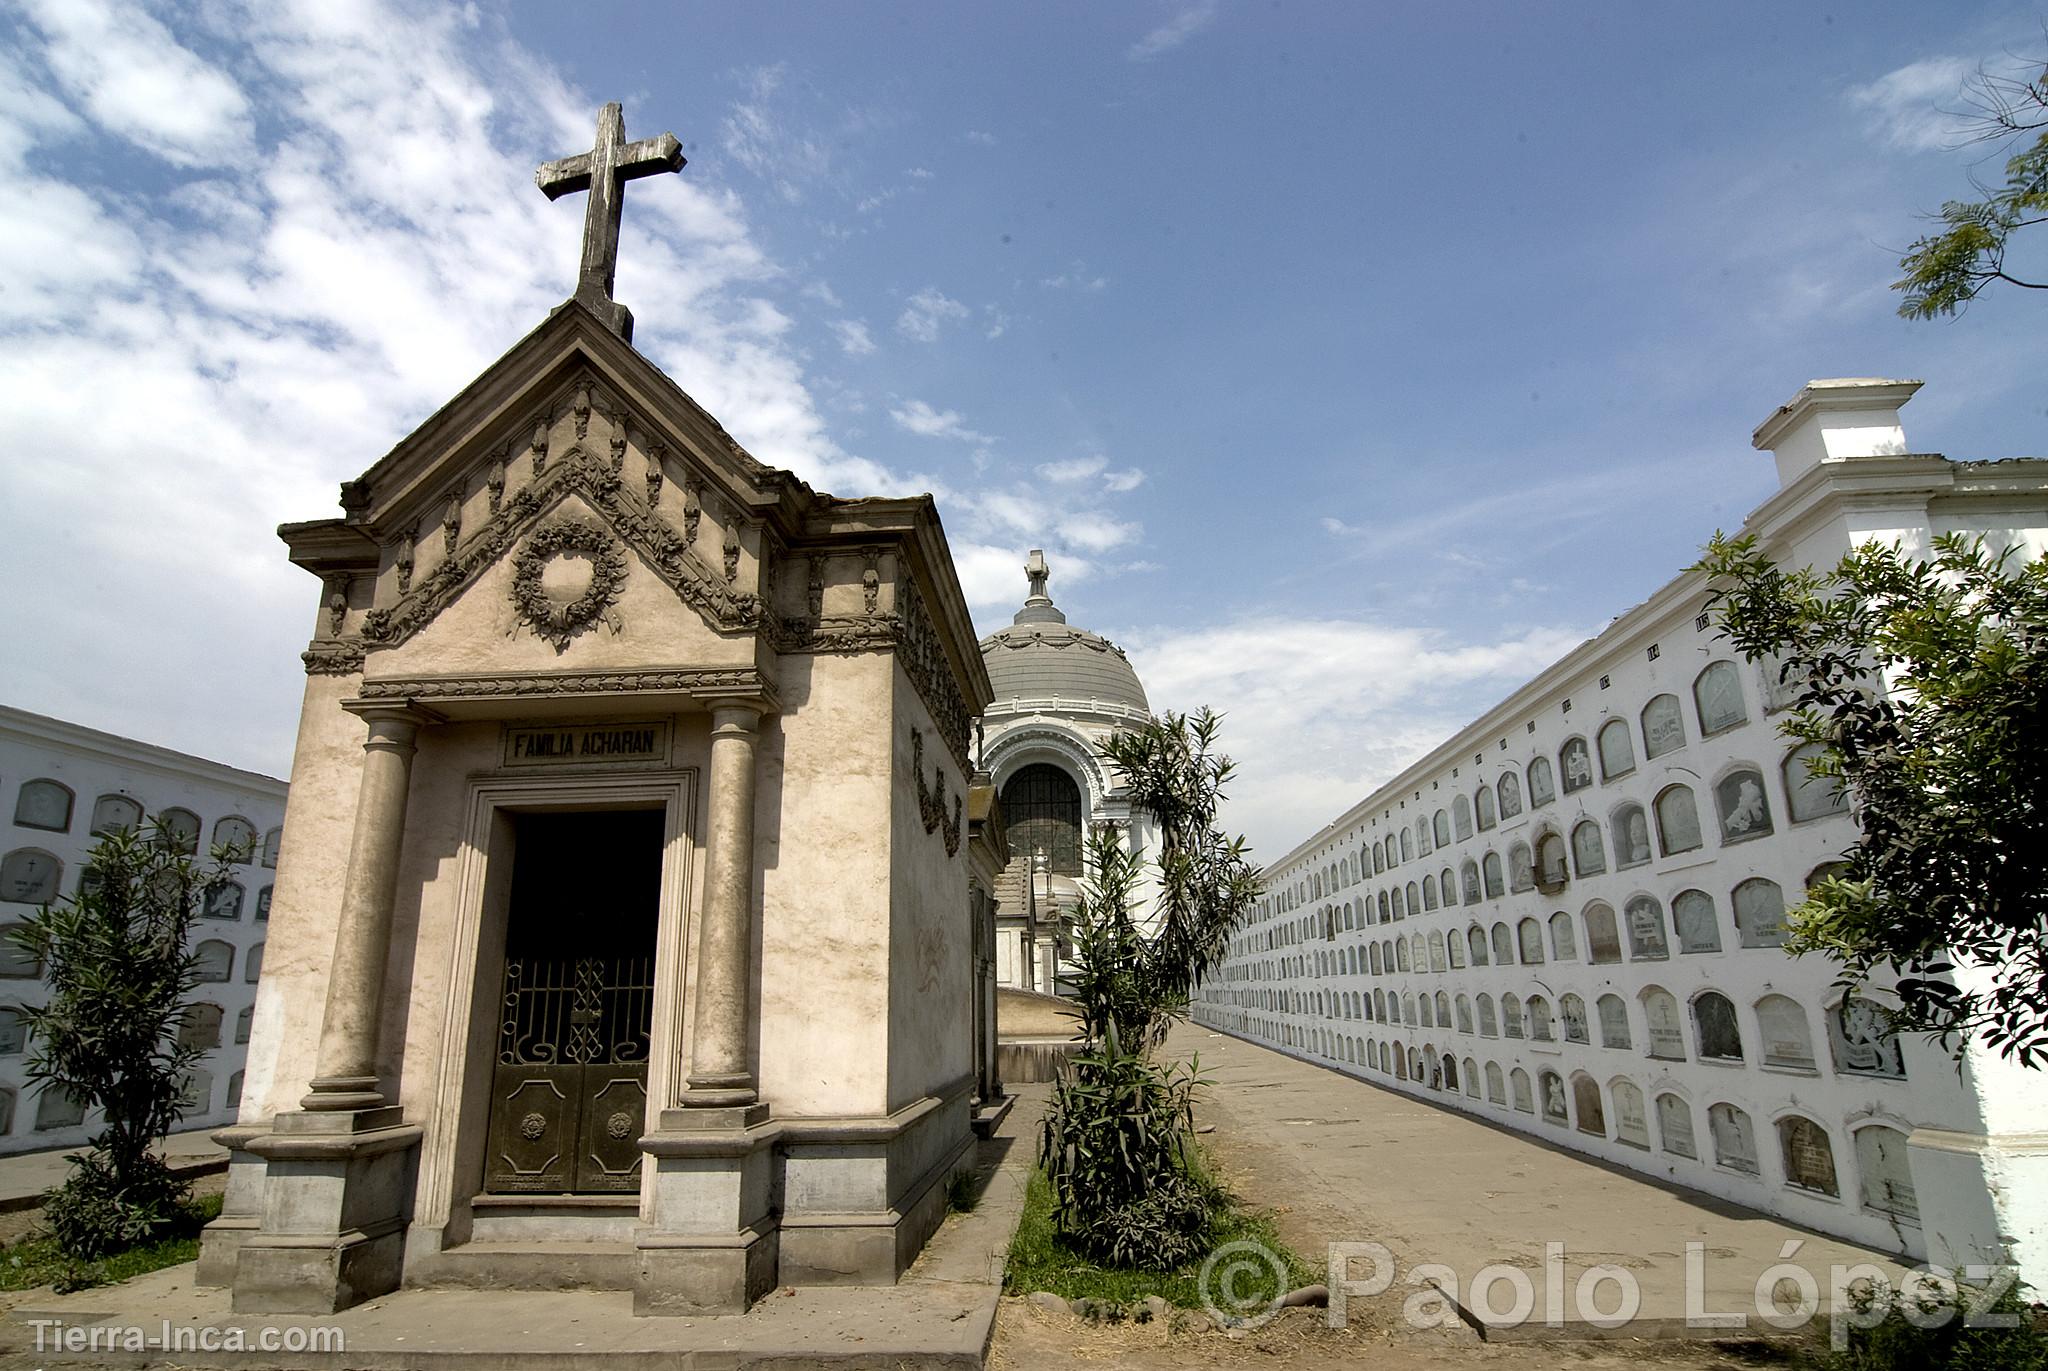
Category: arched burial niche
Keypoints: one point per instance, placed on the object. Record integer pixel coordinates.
(1042, 812)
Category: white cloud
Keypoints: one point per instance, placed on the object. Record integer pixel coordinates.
(998, 322)
(1187, 21)
(765, 139)
(1077, 279)
(981, 136)
(1915, 107)
(853, 337)
(926, 312)
(1095, 532)
(139, 83)
(1321, 711)
(1075, 469)
(1339, 528)
(918, 173)
(915, 416)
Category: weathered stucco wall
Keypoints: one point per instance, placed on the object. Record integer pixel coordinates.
(827, 775)
(931, 1035)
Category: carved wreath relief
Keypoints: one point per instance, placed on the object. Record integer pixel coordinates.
(550, 611)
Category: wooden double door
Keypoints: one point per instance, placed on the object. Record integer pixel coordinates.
(569, 1085)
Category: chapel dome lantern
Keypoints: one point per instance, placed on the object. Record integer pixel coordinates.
(1040, 657)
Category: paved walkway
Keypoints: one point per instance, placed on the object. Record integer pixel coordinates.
(1345, 1160)
(939, 1315)
(26, 1176)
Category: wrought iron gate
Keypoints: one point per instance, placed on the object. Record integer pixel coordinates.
(569, 1098)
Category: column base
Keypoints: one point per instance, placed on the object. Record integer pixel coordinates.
(241, 1209)
(712, 1246)
(337, 1195)
(704, 1273)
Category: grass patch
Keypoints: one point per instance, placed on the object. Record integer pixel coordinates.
(1041, 1260)
(35, 1260)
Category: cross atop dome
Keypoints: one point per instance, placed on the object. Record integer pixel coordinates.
(604, 171)
(1038, 606)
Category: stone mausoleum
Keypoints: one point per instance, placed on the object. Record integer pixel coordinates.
(622, 927)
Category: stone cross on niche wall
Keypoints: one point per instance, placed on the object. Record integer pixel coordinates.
(604, 171)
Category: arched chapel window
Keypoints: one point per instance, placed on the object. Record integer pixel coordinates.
(1042, 809)
(1541, 791)
(1509, 790)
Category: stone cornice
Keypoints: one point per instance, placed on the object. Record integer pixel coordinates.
(711, 684)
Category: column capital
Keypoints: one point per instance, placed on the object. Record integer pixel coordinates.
(730, 717)
(392, 714)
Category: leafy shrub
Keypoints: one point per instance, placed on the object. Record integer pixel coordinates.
(1116, 1147)
(98, 1212)
(2004, 1334)
(117, 959)
(1116, 1143)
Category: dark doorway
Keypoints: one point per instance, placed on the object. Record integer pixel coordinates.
(569, 1094)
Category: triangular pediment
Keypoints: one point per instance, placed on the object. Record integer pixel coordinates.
(580, 504)
(565, 381)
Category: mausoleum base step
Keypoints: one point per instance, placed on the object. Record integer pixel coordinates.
(528, 1266)
(989, 1115)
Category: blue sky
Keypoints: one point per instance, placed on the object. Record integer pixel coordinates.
(1351, 362)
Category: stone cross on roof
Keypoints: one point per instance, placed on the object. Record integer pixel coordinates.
(1036, 569)
(604, 171)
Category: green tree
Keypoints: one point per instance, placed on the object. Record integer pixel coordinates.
(1924, 683)
(1946, 270)
(116, 958)
(1117, 1138)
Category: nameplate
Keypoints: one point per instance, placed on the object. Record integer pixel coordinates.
(585, 743)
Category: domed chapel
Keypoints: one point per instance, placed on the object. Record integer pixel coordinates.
(1058, 692)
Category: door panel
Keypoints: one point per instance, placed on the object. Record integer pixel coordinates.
(614, 1117)
(569, 1098)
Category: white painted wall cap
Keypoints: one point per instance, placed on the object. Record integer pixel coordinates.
(1828, 394)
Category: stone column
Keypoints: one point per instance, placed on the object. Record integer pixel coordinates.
(711, 1245)
(345, 1073)
(339, 1175)
(719, 1073)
